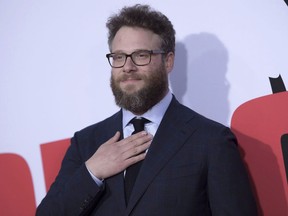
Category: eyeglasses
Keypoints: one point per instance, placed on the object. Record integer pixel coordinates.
(139, 58)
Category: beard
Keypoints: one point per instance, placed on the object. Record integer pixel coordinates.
(139, 102)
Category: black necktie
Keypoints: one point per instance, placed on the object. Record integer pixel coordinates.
(132, 171)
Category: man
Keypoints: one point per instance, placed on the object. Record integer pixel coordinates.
(187, 164)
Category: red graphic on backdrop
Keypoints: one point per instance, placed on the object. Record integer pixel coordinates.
(52, 155)
(260, 125)
(16, 186)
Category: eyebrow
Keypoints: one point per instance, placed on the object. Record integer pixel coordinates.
(121, 51)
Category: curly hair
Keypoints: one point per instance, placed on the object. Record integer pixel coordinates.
(143, 16)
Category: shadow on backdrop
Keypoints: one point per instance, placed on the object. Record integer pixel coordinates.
(199, 76)
(265, 175)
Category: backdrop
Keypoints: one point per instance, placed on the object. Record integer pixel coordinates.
(54, 77)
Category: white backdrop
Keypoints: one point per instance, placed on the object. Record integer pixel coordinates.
(54, 77)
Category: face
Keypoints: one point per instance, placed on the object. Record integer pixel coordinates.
(138, 88)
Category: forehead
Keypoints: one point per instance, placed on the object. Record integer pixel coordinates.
(129, 39)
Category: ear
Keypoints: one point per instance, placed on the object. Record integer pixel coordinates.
(169, 62)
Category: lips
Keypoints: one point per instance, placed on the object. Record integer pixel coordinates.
(130, 78)
(130, 83)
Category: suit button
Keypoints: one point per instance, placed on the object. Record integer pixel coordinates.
(85, 203)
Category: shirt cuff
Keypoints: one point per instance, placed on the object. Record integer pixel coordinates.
(98, 181)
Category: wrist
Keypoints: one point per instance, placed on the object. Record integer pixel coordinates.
(92, 172)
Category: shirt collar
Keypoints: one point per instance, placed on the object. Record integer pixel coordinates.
(155, 114)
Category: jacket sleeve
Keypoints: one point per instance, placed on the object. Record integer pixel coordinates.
(229, 187)
(74, 192)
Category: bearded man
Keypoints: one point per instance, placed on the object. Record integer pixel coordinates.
(154, 156)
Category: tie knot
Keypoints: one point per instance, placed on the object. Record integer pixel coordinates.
(138, 124)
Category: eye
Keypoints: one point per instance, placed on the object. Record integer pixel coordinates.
(142, 55)
(118, 57)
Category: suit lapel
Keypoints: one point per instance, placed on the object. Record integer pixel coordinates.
(169, 138)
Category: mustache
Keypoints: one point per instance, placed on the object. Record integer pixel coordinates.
(126, 77)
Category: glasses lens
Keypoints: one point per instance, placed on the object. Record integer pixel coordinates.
(117, 59)
(142, 57)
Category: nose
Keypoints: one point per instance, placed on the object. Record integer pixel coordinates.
(129, 65)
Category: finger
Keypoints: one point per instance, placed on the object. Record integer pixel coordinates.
(142, 140)
(136, 150)
(132, 160)
(134, 137)
(128, 145)
(137, 139)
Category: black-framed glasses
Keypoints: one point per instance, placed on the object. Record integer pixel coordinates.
(139, 57)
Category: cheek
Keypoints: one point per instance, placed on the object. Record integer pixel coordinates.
(115, 75)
